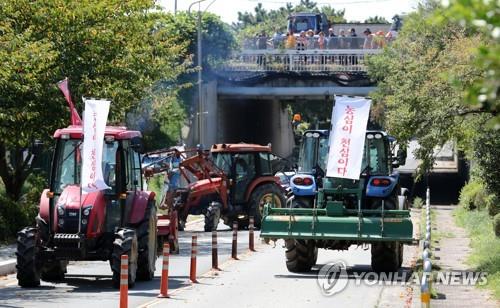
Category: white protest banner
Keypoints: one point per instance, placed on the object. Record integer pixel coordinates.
(94, 124)
(347, 137)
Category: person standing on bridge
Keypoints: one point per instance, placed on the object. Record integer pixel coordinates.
(262, 45)
(331, 44)
(368, 39)
(321, 45)
(291, 42)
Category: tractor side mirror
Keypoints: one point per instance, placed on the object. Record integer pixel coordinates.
(400, 158)
(137, 145)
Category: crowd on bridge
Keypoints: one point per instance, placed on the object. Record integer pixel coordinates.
(305, 40)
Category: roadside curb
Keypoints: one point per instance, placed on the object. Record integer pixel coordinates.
(7, 267)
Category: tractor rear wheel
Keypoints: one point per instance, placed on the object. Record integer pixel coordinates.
(54, 270)
(386, 256)
(28, 273)
(146, 235)
(125, 244)
(262, 195)
(301, 255)
(212, 216)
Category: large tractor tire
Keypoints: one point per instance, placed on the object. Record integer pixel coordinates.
(212, 216)
(125, 244)
(147, 240)
(265, 194)
(301, 255)
(54, 270)
(387, 256)
(28, 272)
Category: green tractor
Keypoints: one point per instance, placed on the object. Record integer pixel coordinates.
(345, 212)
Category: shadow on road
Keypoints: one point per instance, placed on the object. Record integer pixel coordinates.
(355, 272)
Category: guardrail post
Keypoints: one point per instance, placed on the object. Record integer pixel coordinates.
(215, 258)
(164, 272)
(194, 251)
(234, 249)
(124, 281)
(425, 294)
(250, 234)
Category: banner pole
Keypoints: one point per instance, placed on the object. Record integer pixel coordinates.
(81, 176)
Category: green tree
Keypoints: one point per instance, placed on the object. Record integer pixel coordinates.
(483, 17)
(107, 48)
(423, 78)
(376, 20)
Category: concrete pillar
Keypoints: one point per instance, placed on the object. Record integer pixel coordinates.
(210, 113)
(281, 132)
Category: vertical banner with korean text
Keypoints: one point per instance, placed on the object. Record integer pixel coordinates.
(94, 124)
(347, 137)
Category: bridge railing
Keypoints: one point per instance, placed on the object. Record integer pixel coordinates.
(312, 60)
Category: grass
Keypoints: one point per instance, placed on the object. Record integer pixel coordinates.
(485, 256)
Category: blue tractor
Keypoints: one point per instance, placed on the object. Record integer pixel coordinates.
(311, 167)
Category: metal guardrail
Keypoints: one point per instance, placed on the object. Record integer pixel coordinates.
(425, 285)
(312, 60)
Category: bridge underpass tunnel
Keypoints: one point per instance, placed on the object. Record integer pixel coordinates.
(260, 121)
(268, 120)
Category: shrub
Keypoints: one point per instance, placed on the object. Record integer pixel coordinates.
(496, 224)
(13, 217)
(471, 195)
(418, 203)
(16, 215)
(492, 205)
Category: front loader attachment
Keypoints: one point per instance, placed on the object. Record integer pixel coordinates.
(337, 223)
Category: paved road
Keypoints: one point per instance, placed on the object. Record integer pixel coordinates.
(89, 283)
(258, 279)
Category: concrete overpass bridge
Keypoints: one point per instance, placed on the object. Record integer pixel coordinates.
(246, 98)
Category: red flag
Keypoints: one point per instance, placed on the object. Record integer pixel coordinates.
(63, 86)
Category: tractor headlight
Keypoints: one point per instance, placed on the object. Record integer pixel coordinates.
(86, 211)
(60, 211)
(84, 221)
(61, 222)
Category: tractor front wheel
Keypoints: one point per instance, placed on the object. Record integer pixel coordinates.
(212, 216)
(262, 195)
(146, 234)
(301, 255)
(125, 244)
(387, 256)
(28, 273)
(54, 270)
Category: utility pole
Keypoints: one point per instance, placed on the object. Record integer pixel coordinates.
(200, 64)
(200, 81)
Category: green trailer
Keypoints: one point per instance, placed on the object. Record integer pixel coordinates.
(347, 212)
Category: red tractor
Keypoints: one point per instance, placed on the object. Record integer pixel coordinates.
(102, 225)
(233, 184)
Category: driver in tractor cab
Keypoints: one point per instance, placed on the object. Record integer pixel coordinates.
(171, 180)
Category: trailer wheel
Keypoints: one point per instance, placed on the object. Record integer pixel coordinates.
(54, 270)
(146, 234)
(386, 256)
(301, 255)
(265, 194)
(125, 244)
(212, 216)
(28, 273)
